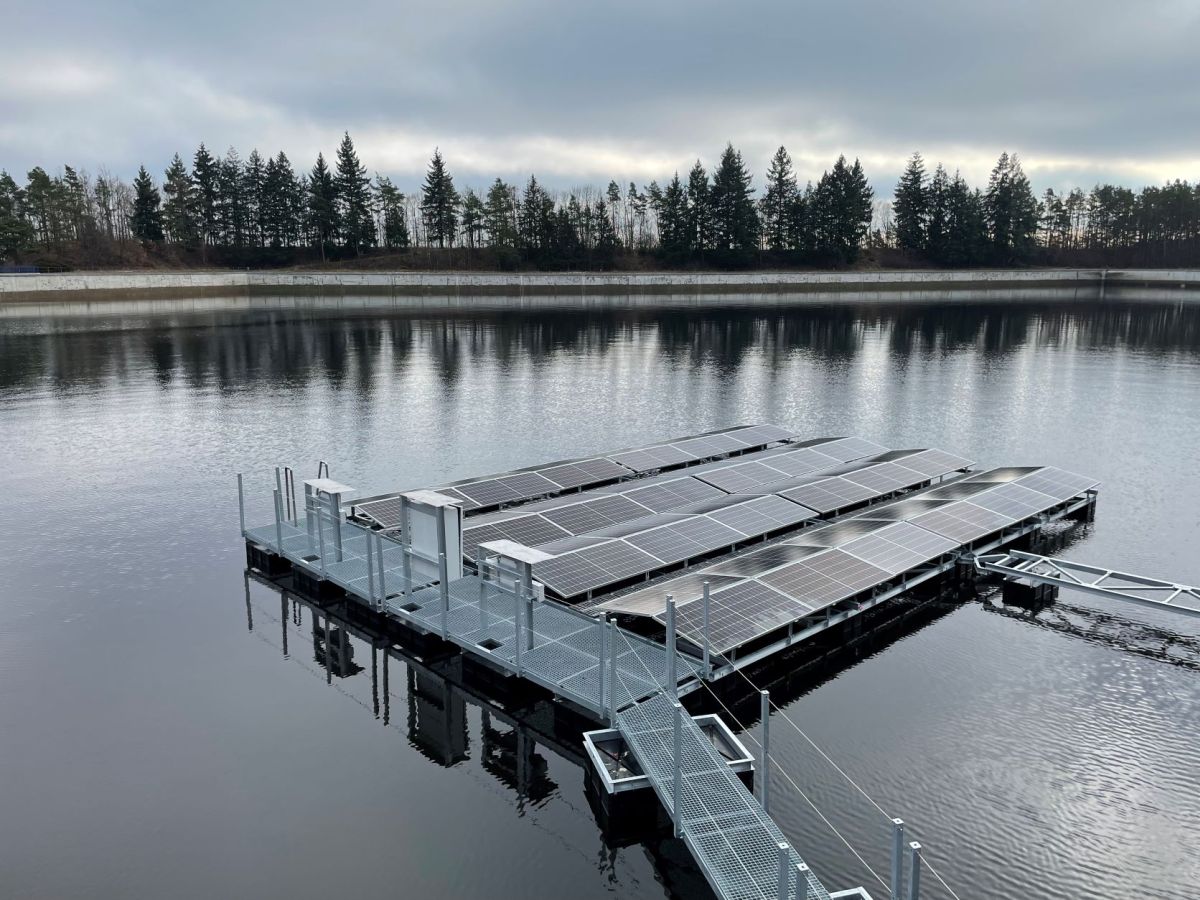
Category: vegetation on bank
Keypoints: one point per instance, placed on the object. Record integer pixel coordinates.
(259, 212)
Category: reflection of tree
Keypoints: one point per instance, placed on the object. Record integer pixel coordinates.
(350, 351)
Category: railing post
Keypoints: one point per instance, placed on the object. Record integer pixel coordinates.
(241, 505)
(897, 859)
(707, 633)
(600, 663)
(406, 543)
(672, 653)
(914, 870)
(308, 514)
(764, 793)
(781, 890)
(613, 653)
(320, 531)
(527, 589)
(382, 571)
(278, 525)
(371, 569)
(517, 636)
(802, 882)
(335, 517)
(676, 812)
(443, 575)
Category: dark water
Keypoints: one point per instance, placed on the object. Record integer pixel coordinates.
(153, 745)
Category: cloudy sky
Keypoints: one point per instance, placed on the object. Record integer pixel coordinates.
(580, 92)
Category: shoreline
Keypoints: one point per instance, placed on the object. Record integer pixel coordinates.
(572, 288)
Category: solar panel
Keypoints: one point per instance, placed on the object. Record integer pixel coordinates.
(962, 521)
(885, 477)
(801, 462)
(707, 533)
(673, 493)
(899, 547)
(829, 494)
(385, 512)
(934, 462)
(584, 472)
(848, 448)
(760, 435)
(578, 518)
(530, 530)
(1013, 500)
(529, 484)
(488, 493)
(762, 515)
(957, 490)
(619, 559)
(759, 562)
(737, 614)
(667, 544)
(806, 585)
(1058, 483)
(570, 574)
(746, 477)
(838, 533)
(850, 571)
(1001, 475)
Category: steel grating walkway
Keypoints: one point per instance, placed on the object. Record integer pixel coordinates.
(731, 836)
(564, 651)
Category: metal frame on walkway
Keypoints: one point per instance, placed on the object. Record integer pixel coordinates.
(1096, 580)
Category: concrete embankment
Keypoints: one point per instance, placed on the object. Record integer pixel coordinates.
(466, 289)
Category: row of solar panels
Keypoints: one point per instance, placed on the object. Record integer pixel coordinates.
(597, 557)
(758, 592)
(554, 478)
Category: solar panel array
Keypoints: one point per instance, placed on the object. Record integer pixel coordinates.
(554, 478)
(818, 567)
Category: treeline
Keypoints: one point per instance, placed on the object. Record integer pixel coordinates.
(941, 220)
(261, 211)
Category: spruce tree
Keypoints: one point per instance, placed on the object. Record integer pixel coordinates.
(322, 204)
(700, 215)
(911, 207)
(357, 225)
(16, 233)
(500, 214)
(606, 235)
(146, 221)
(673, 224)
(937, 197)
(179, 212)
(252, 190)
(735, 221)
(389, 202)
(778, 202)
(472, 218)
(1012, 212)
(205, 175)
(439, 202)
(232, 210)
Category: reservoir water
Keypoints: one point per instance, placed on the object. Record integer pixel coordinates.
(156, 740)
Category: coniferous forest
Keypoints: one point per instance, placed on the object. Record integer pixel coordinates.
(261, 211)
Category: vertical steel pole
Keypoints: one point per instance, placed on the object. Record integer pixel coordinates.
(517, 636)
(278, 482)
(802, 882)
(914, 870)
(278, 525)
(443, 570)
(897, 858)
(335, 516)
(765, 793)
(406, 544)
(781, 890)
(672, 656)
(445, 592)
(241, 505)
(613, 653)
(369, 538)
(308, 511)
(383, 593)
(600, 664)
(707, 633)
(676, 812)
(320, 530)
(527, 587)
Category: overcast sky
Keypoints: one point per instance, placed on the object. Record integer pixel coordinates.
(581, 91)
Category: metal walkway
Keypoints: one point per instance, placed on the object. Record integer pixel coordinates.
(1093, 580)
(741, 851)
(594, 664)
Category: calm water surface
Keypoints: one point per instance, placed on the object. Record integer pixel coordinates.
(156, 740)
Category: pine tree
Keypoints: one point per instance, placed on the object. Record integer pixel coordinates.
(966, 225)
(146, 221)
(390, 204)
(500, 214)
(842, 211)
(252, 190)
(16, 234)
(673, 226)
(179, 213)
(700, 216)
(1011, 210)
(204, 180)
(535, 227)
(357, 225)
(472, 218)
(606, 235)
(735, 221)
(778, 202)
(439, 202)
(911, 207)
(232, 209)
(937, 198)
(322, 204)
